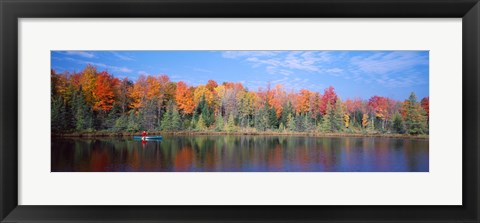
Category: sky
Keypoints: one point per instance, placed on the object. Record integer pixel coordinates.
(363, 74)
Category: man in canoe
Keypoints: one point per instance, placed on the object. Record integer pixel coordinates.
(144, 135)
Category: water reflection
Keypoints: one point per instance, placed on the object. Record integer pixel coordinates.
(241, 153)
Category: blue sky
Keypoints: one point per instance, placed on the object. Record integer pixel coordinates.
(352, 73)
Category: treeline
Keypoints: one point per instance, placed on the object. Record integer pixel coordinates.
(92, 101)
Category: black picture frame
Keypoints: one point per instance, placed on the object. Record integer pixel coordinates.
(11, 11)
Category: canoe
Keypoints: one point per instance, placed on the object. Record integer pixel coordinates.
(148, 138)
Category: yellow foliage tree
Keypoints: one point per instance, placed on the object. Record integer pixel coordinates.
(202, 91)
(347, 120)
(87, 81)
(364, 120)
(138, 92)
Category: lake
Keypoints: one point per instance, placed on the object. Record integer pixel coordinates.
(240, 154)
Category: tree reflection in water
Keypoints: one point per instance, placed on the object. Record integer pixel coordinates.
(241, 153)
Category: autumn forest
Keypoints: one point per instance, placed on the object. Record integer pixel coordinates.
(95, 101)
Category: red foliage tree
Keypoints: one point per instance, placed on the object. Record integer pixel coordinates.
(329, 97)
(426, 104)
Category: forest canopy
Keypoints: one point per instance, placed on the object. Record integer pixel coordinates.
(91, 100)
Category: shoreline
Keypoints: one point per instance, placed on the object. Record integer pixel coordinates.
(194, 133)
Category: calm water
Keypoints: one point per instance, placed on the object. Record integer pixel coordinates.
(241, 153)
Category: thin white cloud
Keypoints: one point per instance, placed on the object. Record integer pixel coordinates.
(79, 53)
(239, 54)
(389, 69)
(381, 62)
(280, 80)
(335, 70)
(276, 70)
(122, 56)
(113, 68)
(283, 62)
(102, 65)
(141, 72)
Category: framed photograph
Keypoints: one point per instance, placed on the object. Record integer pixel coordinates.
(269, 111)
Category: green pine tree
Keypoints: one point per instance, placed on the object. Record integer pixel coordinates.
(291, 125)
(261, 119)
(281, 127)
(121, 124)
(272, 118)
(338, 116)
(326, 125)
(83, 113)
(58, 115)
(415, 120)
(133, 125)
(230, 124)
(176, 121)
(111, 118)
(201, 124)
(219, 124)
(307, 122)
(397, 123)
(207, 114)
(166, 123)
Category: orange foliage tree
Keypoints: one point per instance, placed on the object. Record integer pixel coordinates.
(104, 95)
(138, 92)
(304, 98)
(184, 98)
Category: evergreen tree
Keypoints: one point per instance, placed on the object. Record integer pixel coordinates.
(133, 125)
(299, 123)
(185, 122)
(272, 118)
(337, 123)
(357, 119)
(219, 124)
(193, 122)
(397, 123)
(83, 114)
(291, 125)
(201, 124)
(326, 125)
(307, 123)
(58, 115)
(230, 124)
(111, 118)
(261, 119)
(207, 114)
(166, 123)
(415, 119)
(287, 109)
(121, 124)
(176, 121)
(281, 127)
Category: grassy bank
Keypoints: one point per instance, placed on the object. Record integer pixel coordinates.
(246, 132)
